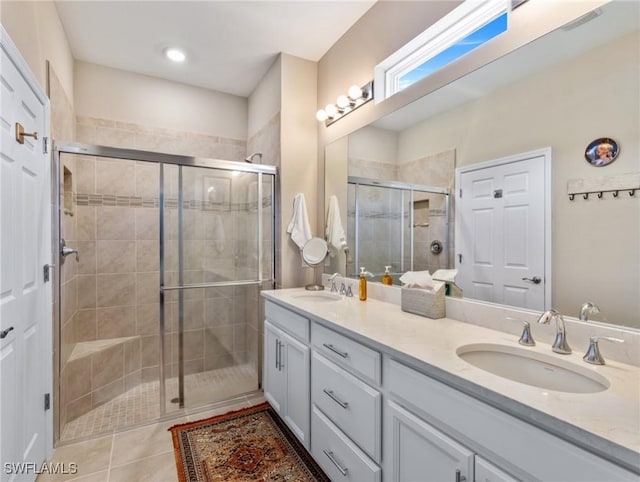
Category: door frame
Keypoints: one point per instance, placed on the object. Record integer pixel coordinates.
(545, 154)
(49, 312)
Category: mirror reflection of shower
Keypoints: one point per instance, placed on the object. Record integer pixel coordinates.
(392, 223)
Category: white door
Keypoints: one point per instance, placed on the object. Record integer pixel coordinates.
(274, 377)
(502, 232)
(418, 452)
(25, 299)
(296, 363)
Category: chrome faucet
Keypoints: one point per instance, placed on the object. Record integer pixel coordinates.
(593, 355)
(334, 289)
(588, 308)
(560, 344)
(526, 338)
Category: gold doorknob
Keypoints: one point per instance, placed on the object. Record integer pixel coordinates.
(21, 134)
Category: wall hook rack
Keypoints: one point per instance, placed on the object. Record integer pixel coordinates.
(615, 184)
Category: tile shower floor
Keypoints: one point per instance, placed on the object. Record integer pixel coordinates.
(136, 455)
(141, 404)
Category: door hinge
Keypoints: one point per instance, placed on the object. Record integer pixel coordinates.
(459, 258)
(45, 145)
(497, 193)
(460, 194)
(47, 401)
(46, 272)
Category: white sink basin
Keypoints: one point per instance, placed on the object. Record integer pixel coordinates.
(533, 368)
(319, 296)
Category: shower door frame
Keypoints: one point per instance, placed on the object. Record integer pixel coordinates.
(61, 148)
(357, 181)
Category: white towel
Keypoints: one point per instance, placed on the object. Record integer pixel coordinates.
(334, 231)
(299, 227)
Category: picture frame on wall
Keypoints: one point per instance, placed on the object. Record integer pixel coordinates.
(601, 152)
(217, 193)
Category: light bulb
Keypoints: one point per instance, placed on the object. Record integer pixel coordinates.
(176, 55)
(331, 110)
(321, 115)
(343, 101)
(355, 92)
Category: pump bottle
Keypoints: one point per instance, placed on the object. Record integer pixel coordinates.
(363, 283)
(386, 277)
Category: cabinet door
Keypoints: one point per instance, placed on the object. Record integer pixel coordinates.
(296, 368)
(416, 451)
(487, 472)
(273, 376)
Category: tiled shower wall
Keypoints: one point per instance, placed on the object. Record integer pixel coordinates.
(113, 309)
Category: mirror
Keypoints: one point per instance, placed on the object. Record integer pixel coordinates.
(575, 84)
(313, 253)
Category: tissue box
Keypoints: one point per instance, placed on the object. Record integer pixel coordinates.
(424, 303)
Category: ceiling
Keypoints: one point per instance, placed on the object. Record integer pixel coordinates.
(230, 45)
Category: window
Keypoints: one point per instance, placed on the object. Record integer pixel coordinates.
(468, 26)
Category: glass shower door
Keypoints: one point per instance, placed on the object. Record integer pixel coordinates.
(216, 252)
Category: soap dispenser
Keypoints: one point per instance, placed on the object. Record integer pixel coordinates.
(386, 277)
(363, 283)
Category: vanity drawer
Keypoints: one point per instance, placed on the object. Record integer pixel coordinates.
(350, 354)
(337, 455)
(291, 322)
(351, 404)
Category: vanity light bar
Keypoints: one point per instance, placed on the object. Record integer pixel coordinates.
(345, 104)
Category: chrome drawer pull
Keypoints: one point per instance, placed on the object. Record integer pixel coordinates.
(343, 354)
(277, 354)
(331, 395)
(335, 462)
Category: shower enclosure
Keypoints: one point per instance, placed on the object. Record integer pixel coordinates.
(162, 259)
(391, 223)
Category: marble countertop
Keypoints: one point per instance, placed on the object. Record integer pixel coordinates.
(606, 423)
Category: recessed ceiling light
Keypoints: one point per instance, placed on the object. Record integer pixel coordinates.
(175, 54)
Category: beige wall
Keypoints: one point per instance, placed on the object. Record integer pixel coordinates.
(265, 101)
(107, 93)
(298, 163)
(36, 30)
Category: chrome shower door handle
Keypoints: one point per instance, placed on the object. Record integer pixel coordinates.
(535, 280)
(65, 251)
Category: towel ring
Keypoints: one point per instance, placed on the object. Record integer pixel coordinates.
(615, 193)
(632, 192)
(572, 197)
(585, 195)
(600, 195)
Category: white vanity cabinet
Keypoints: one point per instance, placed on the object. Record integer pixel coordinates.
(346, 419)
(287, 368)
(371, 413)
(484, 443)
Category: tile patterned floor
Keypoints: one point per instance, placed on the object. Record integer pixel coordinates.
(141, 403)
(137, 455)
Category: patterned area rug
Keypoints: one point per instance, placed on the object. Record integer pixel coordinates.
(248, 444)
